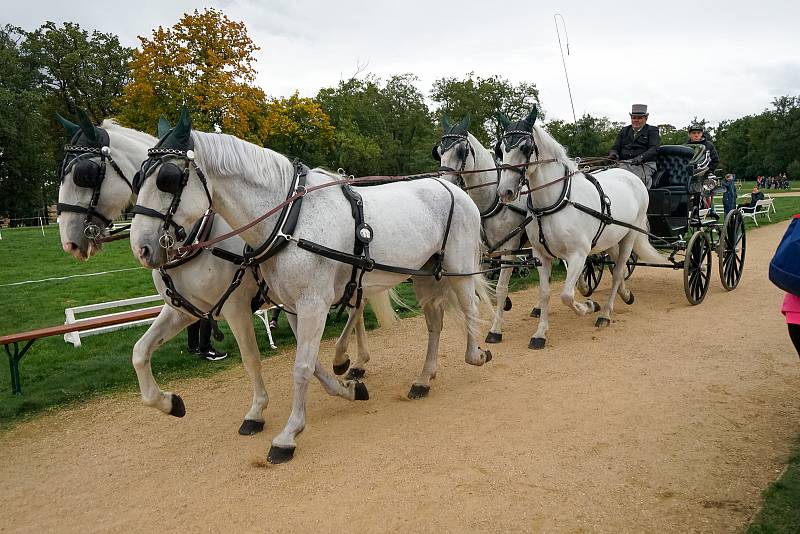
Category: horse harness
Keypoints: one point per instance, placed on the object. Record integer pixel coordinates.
(87, 173)
(527, 144)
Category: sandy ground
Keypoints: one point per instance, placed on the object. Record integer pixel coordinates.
(674, 419)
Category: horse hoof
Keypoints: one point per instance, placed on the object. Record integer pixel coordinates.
(418, 392)
(487, 354)
(536, 312)
(342, 367)
(492, 337)
(536, 343)
(507, 304)
(601, 322)
(631, 299)
(361, 391)
(355, 374)
(250, 427)
(178, 408)
(279, 455)
(595, 306)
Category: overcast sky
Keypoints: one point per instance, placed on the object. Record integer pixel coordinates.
(715, 60)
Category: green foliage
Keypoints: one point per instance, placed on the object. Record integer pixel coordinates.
(593, 136)
(380, 129)
(298, 127)
(483, 99)
(27, 166)
(764, 144)
(780, 512)
(80, 69)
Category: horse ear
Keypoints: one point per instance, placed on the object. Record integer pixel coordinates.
(163, 126)
(531, 118)
(445, 122)
(504, 121)
(183, 130)
(87, 126)
(435, 153)
(69, 126)
(465, 123)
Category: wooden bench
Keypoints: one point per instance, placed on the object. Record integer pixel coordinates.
(762, 207)
(11, 342)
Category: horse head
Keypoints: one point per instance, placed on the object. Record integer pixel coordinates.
(172, 193)
(515, 148)
(95, 187)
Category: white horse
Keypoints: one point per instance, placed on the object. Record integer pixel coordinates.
(459, 150)
(566, 231)
(202, 281)
(409, 222)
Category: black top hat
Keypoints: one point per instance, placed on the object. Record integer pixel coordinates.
(638, 110)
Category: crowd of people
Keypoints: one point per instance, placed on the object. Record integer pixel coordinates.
(780, 181)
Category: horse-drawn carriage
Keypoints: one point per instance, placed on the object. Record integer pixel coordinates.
(679, 227)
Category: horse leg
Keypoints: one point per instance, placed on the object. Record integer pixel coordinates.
(237, 312)
(359, 368)
(540, 336)
(341, 360)
(429, 295)
(166, 326)
(575, 264)
(464, 288)
(309, 325)
(620, 256)
(495, 334)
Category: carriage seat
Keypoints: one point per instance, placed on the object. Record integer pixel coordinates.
(673, 168)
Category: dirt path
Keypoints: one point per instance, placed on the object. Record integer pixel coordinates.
(674, 419)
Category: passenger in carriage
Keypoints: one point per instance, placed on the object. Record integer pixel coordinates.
(636, 146)
(697, 137)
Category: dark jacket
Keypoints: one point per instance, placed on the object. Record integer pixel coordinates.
(712, 150)
(644, 146)
(755, 197)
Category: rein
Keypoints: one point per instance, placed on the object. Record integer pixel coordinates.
(366, 180)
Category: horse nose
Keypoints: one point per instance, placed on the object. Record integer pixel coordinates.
(143, 253)
(70, 247)
(506, 195)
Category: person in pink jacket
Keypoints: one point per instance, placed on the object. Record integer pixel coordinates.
(791, 309)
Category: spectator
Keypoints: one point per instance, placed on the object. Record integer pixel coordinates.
(199, 341)
(729, 196)
(791, 310)
(755, 196)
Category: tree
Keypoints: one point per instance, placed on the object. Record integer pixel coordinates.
(379, 129)
(204, 62)
(483, 99)
(591, 136)
(79, 69)
(298, 127)
(27, 168)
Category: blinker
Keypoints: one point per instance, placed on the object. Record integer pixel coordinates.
(169, 178)
(86, 173)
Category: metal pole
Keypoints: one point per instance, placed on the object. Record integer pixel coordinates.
(563, 61)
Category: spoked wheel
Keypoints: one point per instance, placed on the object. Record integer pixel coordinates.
(697, 268)
(732, 247)
(630, 265)
(591, 275)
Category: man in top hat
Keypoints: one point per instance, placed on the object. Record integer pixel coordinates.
(636, 146)
(696, 137)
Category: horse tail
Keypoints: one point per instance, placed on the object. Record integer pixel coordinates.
(645, 251)
(381, 304)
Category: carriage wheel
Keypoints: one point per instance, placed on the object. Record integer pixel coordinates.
(732, 247)
(697, 268)
(591, 275)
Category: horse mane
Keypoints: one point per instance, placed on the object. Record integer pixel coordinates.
(548, 145)
(478, 146)
(227, 155)
(112, 125)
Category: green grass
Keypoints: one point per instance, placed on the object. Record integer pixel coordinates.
(781, 510)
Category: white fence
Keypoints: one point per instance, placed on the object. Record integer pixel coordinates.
(75, 337)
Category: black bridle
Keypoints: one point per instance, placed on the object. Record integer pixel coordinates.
(86, 172)
(448, 142)
(170, 179)
(527, 144)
